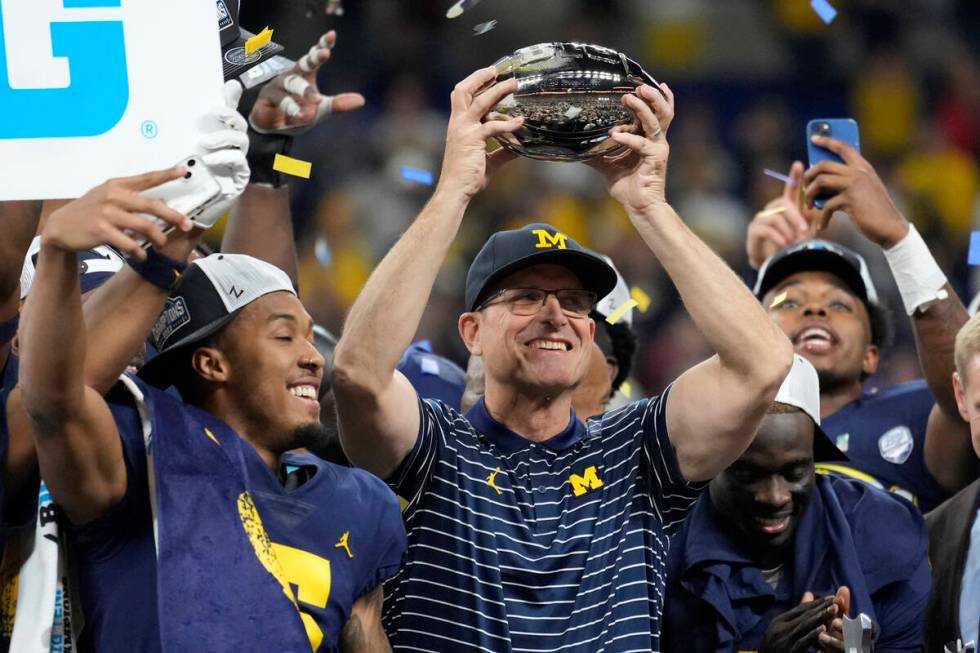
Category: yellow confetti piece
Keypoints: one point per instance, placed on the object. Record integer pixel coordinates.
(290, 166)
(208, 433)
(778, 299)
(641, 298)
(258, 41)
(768, 212)
(626, 389)
(618, 314)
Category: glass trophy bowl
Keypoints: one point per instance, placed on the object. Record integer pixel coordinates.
(569, 95)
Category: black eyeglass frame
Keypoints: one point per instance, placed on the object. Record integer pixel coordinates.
(489, 301)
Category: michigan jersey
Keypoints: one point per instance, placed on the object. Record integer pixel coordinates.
(521, 546)
(883, 434)
(334, 534)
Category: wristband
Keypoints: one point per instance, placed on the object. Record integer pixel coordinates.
(262, 151)
(917, 275)
(8, 329)
(162, 271)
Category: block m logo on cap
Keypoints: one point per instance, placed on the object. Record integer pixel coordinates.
(548, 241)
(63, 72)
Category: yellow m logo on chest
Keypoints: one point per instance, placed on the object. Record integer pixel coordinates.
(589, 480)
(547, 241)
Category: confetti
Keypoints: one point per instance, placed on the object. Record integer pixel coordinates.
(825, 10)
(778, 299)
(974, 256)
(418, 176)
(483, 28)
(321, 249)
(290, 166)
(258, 41)
(626, 389)
(334, 8)
(780, 176)
(457, 9)
(772, 211)
(618, 314)
(641, 298)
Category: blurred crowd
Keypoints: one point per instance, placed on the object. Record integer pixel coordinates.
(748, 75)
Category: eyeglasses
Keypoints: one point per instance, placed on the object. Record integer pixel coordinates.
(528, 301)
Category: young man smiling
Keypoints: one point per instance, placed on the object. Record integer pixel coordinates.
(771, 535)
(908, 438)
(529, 530)
(191, 522)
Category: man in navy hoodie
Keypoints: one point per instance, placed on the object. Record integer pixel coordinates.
(770, 535)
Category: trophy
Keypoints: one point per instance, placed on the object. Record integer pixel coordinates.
(569, 96)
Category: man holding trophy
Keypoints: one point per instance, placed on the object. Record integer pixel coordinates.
(529, 530)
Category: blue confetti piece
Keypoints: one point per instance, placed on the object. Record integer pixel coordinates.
(824, 9)
(321, 249)
(418, 176)
(778, 175)
(973, 258)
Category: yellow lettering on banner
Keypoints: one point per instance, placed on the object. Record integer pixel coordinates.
(547, 241)
(589, 480)
(258, 41)
(311, 575)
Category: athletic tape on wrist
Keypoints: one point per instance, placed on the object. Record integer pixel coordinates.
(916, 272)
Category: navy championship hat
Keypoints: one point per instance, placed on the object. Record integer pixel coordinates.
(820, 256)
(509, 251)
(433, 376)
(234, 61)
(209, 295)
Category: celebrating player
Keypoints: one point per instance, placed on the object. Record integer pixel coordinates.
(908, 438)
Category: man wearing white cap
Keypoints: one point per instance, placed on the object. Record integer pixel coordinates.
(771, 531)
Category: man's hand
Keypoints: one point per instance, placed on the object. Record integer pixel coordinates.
(292, 103)
(857, 190)
(109, 215)
(781, 223)
(637, 178)
(833, 639)
(799, 628)
(466, 166)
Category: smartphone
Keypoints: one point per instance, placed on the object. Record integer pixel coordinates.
(843, 129)
(191, 195)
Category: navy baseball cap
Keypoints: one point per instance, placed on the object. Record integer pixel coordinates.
(535, 244)
(433, 376)
(820, 256)
(210, 294)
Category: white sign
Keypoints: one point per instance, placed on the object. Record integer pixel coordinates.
(94, 89)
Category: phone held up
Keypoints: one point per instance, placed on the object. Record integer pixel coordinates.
(843, 129)
(191, 195)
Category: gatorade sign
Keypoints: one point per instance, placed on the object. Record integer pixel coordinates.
(93, 89)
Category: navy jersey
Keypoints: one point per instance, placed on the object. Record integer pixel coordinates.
(850, 534)
(883, 434)
(335, 532)
(520, 546)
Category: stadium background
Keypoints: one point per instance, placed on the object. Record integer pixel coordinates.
(747, 74)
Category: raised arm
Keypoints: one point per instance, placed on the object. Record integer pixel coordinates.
(933, 307)
(78, 447)
(377, 406)
(290, 105)
(716, 407)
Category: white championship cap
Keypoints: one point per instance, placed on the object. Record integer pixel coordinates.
(801, 388)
